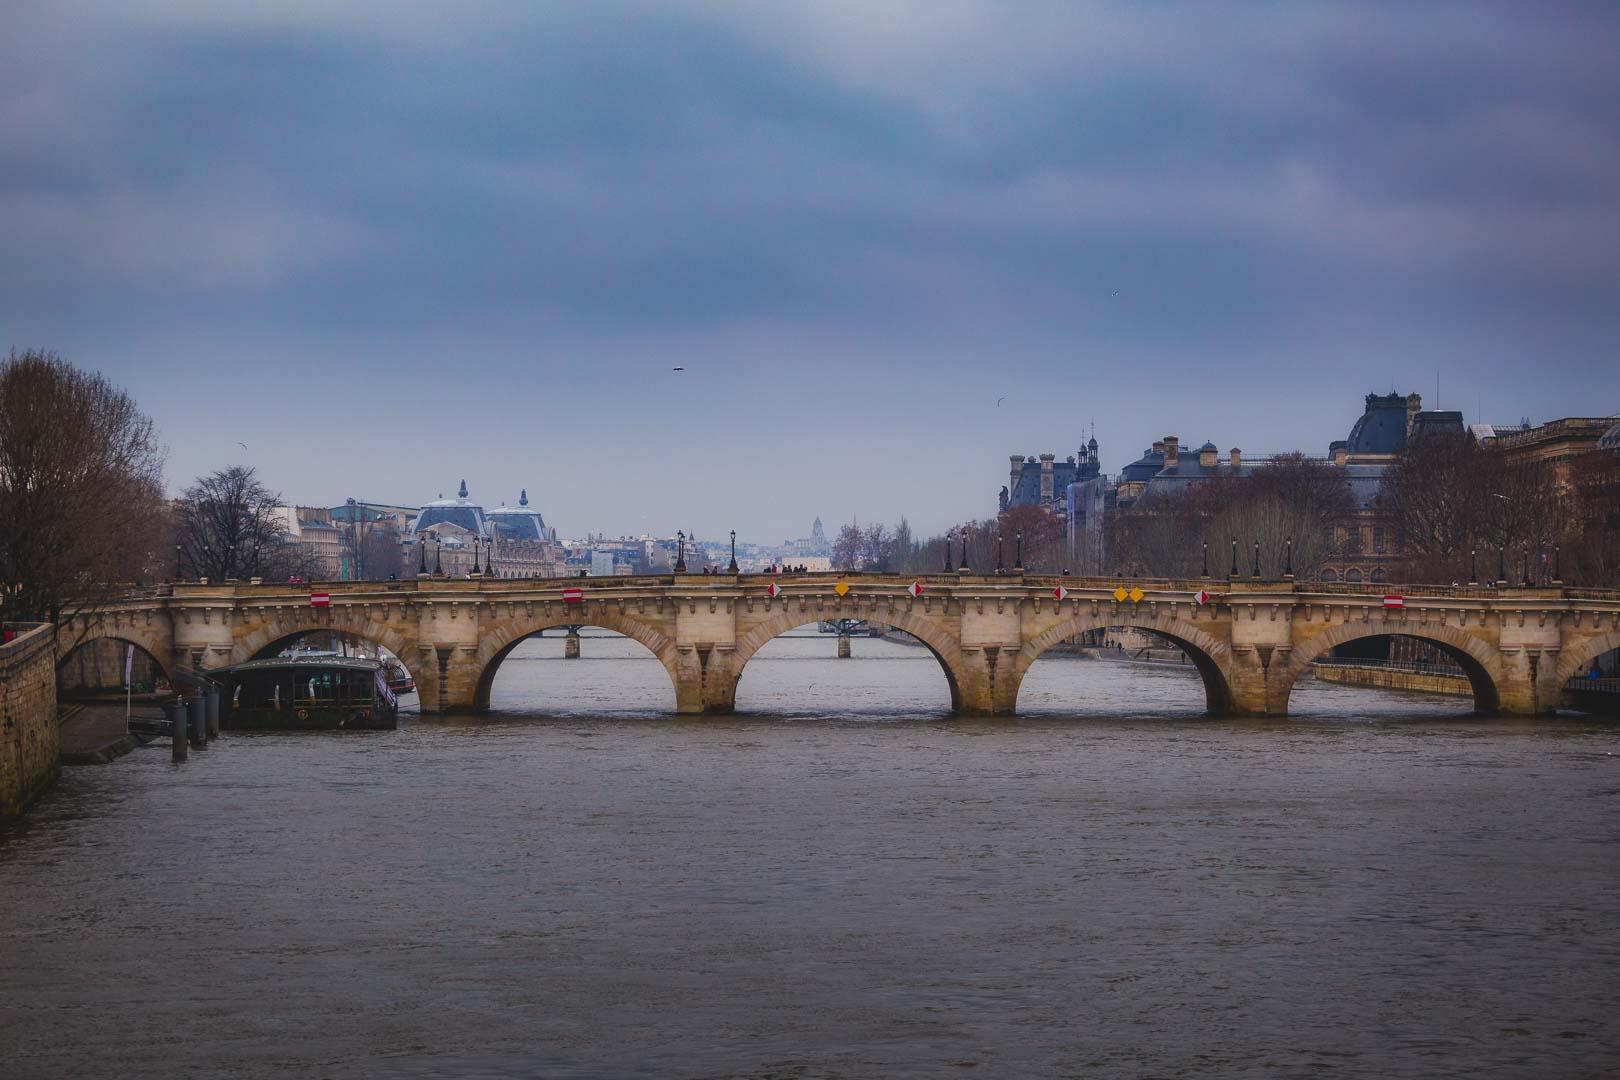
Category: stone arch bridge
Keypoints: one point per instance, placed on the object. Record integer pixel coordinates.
(1251, 641)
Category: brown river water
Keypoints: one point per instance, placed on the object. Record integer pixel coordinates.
(840, 881)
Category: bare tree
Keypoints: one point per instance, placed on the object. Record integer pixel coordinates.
(81, 492)
(876, 547)
(847, 548)
(228, 527)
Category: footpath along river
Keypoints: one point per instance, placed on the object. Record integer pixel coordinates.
(840, 881)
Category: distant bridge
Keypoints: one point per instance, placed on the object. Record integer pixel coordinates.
(1251, 641)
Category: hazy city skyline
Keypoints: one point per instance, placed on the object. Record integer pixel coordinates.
(387, 250)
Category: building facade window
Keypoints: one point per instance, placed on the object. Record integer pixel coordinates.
(1352, 575)
(1378, 539)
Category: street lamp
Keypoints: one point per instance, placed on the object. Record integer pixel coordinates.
(1257, 560)
(1473, 566)
(732, 569)
(1001, 548)
(1206, 558)
(1234, 572)
(421, 544)
(438, 550)
(1288, 569)
(963, 568)
(680, 551)
(1018, 551)
(950, 534)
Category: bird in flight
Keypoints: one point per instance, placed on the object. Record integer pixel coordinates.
(678, 367)
(243, 445)
(1000, 399)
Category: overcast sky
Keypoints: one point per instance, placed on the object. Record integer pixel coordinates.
(388, 246)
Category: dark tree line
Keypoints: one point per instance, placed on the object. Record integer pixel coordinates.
(227, 526)
(1463, 509)
(81, 489)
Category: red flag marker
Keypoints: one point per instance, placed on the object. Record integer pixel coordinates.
(1393, 601)
(319, 599)
(915, 588)
(573, 596)
(1060, 592)
(773, 590)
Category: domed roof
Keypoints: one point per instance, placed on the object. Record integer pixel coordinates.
(1611, 439)
(458, 511)
(523, 521)
(1207, 446)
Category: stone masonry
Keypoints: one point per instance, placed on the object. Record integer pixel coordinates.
(29, 747)
(1250, 642)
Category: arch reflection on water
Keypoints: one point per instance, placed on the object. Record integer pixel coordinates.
(614, 677)
(798, 675)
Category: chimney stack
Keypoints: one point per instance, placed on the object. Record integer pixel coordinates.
(1172, 451)
(1237, 457)
(1340, 455)
(1017, 467)
(1206, 456)
(1047, 477)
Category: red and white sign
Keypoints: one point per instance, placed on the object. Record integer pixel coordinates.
(1394, 601)
(319, 599)
(773, 590)
(915, 588)
(1201, 597)
(573, 596)
(1060, 592)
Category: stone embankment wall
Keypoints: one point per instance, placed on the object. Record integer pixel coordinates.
(30, 746)
(1384, 678)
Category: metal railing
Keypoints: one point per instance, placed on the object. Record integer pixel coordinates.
(1405, 667)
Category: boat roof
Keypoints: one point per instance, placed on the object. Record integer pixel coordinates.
(304, 663)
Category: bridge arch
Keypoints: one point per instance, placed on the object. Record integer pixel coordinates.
(1212, 658)
(75, 652)
(498, 642)
(1573, 660)
(271, 637)
(1478, 659)
(939, 641)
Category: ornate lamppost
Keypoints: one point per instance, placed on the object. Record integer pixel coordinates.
(1001, 549)
(1018, 551)
(438, 562)
(963, 568)
(1473, 566)
(680, 551)
(1206, 558)
(950, 534)
(1234, 574)
(1288, 569)
(1257, 560)
(421, 544)
(732, 569)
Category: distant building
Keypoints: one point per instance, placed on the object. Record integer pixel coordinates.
(311, 528)
(514, 540)
(1042, 480)
(1365, 543)
(814, 544)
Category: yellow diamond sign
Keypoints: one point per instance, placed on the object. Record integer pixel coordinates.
(840, 588)
(1120, 594)
(1137, 594)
